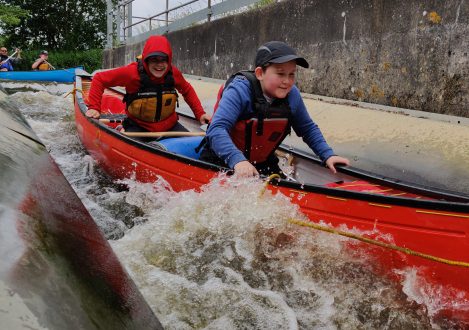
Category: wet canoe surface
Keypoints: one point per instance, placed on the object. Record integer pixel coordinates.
(57, 270)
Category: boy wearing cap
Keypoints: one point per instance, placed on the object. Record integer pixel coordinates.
(256, 112)
(151, 85)
(42, 63)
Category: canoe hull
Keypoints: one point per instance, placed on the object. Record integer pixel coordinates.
(63, 75)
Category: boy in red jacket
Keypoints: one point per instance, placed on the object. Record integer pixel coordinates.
(151, 85)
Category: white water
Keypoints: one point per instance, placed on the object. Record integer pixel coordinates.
(226, 257)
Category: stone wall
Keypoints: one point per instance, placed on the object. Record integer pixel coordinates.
(410, 54)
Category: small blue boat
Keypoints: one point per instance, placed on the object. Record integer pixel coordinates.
(60, 75)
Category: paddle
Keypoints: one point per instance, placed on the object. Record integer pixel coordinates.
(153, 134)
(162, 134)
(110, 121)
(49, 65)
(118, 121)
(9, 57)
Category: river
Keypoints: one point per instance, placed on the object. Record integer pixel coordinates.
(225, 257)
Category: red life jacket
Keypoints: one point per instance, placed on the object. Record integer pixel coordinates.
(259, 135)
(152, 102)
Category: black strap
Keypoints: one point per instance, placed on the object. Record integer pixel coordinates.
(202, 144)
(159, 103)
(259, 102)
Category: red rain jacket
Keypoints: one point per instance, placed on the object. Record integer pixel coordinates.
(128, 77)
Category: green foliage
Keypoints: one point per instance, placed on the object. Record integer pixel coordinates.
(263, 3)
(89, 59)
(11, 15)
(58, 25)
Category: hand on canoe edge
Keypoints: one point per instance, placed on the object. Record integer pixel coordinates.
(204, 119)
(92, 113)
(333, 160)
(245, 169)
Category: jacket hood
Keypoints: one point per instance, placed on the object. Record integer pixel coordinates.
(157, 44)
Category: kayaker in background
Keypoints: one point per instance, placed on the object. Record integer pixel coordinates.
(42, 63)
(7, 63)
(256, 111)
(151, 85)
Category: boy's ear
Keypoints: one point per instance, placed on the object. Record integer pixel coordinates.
(258, 72)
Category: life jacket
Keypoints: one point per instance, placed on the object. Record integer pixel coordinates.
(152, 102)
(44, 67)
(259, 135)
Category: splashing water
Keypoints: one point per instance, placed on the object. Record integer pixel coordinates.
(225, 257)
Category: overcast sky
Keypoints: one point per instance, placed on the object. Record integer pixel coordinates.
(147, 8)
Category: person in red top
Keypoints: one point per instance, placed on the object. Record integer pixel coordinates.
(151, 85)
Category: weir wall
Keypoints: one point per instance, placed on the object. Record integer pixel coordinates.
(409, 54)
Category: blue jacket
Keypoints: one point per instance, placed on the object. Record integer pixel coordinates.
(7, 65)
(236, 104)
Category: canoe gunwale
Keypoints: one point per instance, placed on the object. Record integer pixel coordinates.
(450, 196)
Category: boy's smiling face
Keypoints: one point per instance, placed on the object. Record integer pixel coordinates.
(278, 79)
(157, 65)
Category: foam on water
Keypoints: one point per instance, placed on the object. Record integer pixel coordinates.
(226, 257)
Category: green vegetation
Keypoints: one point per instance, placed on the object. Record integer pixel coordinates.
(57, 25)
(10, 17)
(263, 3)
(89, 59)
(73, 32)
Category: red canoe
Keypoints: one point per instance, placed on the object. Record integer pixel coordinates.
(430, 227)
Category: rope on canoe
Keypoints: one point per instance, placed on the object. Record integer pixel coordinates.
(366, 239)
(378, 243)
(73, 91)
(267, 182)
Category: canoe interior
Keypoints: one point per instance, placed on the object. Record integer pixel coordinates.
(301, 168)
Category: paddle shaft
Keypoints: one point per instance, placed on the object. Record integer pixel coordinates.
(162, 134)
(9, 57)
(118, 121)
(110, 121)
(50, 65)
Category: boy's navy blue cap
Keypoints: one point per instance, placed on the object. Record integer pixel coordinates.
(45, 52)
(278, 52)
(156, 54)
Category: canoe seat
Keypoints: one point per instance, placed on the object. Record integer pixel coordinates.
(184, 145)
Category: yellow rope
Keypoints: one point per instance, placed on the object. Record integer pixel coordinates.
(267, 181)
(365, 239)
(378, 243)
(73, 91)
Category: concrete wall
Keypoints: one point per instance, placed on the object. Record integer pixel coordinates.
(405, 53)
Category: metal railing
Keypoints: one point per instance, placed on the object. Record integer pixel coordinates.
(120, 25)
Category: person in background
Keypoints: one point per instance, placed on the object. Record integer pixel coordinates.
(256, 112)
(42, 63)
(151, 85)
(7, 63)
